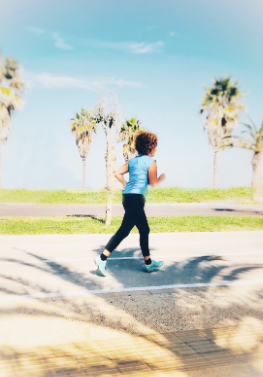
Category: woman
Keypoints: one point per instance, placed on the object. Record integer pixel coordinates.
(142, 171)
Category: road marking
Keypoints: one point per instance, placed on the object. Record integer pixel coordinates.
(53, 261)
(131, 289)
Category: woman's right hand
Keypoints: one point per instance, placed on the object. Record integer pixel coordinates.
(161, 178)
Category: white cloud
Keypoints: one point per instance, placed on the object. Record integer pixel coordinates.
(133, 47)
(144, 48)
(60, 43)
(172, 34)
(48, 80)
(36, 30)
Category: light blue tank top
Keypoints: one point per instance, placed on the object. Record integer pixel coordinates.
(138, 175)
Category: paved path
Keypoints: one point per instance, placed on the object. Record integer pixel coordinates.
(202, 310)
(165, 209)
(66, 261)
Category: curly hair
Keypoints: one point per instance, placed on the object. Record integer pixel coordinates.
(145, 142)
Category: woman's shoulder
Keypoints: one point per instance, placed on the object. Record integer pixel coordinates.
(147, 160)
(146, 157)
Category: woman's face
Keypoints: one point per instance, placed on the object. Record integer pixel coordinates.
(153, 151)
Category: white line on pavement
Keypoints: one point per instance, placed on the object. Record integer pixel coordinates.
(131, 289)
(50, 261)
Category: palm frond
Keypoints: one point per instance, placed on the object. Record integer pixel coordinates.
(238, 143)
(252, 134)
(230, 137)
(252, 122)
(5, 91)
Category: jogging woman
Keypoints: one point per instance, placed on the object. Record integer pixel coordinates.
(142, 171)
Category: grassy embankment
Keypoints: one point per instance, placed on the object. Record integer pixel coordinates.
(87, 225)
(157, 195)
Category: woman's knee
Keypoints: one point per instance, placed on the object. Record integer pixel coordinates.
(145, 230)
(123, 233)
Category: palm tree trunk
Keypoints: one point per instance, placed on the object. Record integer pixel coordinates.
(215, 168)
(108, 214)
(83, 172)
(110, 158)
(256, 162)
(112, 168)
(109, 207)
(0, 169)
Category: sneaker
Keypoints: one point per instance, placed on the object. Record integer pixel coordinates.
(153, 266)
(101, 265)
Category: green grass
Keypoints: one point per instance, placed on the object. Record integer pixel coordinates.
(157, 195)
(87, 225)
(181, 195)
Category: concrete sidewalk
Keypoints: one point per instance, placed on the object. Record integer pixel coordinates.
(163, 209)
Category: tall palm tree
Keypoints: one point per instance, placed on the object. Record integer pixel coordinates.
(222, 104)
(128, 132)
(82, 127)
(108, 115)
(256, 145)
(11, 88)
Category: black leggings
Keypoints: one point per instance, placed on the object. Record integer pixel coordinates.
(134, 216)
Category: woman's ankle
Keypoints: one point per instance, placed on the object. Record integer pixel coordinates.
(103, 257)
(148, 261)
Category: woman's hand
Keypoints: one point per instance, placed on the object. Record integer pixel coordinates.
(152, 174)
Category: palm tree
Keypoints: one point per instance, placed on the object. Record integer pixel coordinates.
(11, 88)
(256, 145)
(108, 114)
(128, 132)
(83, 125)
(222, 104)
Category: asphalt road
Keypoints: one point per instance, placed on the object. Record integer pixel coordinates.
(166, 209)
(52, 298)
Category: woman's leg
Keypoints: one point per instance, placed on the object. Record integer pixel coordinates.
(144, 230)
(134, 215)
(128, 222)
(143, 227)
(133, 206)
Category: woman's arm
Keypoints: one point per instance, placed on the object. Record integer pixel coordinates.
(152, 174)
(119, 174)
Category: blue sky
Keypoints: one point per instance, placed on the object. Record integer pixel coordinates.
(156, 55)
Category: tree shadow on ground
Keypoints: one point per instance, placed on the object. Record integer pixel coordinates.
(239, 211)
(93, 217)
